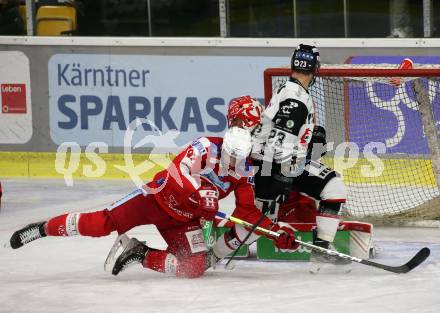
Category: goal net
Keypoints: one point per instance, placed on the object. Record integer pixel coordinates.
(383, 138)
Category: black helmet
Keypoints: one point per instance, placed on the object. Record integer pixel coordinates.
(305, 58)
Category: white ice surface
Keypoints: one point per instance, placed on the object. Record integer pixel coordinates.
(66, 274)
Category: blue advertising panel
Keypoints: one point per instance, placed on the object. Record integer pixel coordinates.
(381, 112)
(94, 98)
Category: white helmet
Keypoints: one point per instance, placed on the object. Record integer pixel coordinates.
(237, 142)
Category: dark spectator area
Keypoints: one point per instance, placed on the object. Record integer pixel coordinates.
(240, 18)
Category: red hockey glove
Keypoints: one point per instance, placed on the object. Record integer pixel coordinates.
(208, 201)
(286, 241)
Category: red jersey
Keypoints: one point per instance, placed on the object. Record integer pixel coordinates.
(201, 160)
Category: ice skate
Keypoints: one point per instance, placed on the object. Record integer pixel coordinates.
(324, 262)
(211, 260)
(134, 253)
(27, 234)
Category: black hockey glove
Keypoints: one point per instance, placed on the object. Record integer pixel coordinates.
(318, 138)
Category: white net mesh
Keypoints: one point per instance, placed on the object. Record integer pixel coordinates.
(389, 164)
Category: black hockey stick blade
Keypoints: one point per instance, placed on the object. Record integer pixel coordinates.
(418, 259)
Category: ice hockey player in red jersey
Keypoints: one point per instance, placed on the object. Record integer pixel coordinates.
(176, 201)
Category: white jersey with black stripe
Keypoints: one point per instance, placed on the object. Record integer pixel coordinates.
(286, 126)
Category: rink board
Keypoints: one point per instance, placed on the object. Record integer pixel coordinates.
(266, 250)
(354, 238)
(47, 165)
(399, 172)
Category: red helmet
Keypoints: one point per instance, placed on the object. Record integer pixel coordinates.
(246, 110)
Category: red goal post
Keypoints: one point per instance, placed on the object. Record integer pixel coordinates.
(348, 72)
(393, 174)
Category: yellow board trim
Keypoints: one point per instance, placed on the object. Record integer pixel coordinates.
(43, 165)
(398, 172)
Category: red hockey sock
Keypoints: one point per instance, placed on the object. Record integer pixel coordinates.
(160, 261)
(191, 267)
(165, 262)
(95, 224)
(56, 226)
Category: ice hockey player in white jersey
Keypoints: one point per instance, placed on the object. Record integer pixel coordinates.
(281, 148)
(281, 141)
(286, 161)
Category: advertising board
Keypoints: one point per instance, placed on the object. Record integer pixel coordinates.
(391, 115)
(15, 98)
(94, 98)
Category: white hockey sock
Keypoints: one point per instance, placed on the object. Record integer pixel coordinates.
(327, 226)
(225, 245)
(72, 221)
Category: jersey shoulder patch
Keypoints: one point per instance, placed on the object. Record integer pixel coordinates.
(201, 145)
(291, 116)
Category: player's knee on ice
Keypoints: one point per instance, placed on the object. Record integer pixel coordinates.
(191, 267)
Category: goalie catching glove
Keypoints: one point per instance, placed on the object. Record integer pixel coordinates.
(286, 241)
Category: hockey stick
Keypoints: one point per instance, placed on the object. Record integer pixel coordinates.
(416, 260)
(253, 227)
